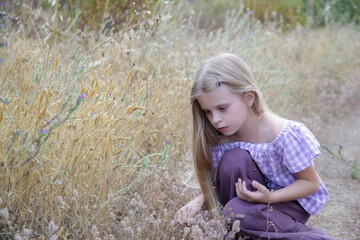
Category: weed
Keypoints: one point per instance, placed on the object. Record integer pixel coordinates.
(355, 167)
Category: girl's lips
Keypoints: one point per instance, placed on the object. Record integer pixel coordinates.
(222, 128)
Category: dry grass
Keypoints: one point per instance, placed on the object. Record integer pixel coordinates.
(95, 133)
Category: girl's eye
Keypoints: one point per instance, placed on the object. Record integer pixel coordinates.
(207, 112)
(222, 108)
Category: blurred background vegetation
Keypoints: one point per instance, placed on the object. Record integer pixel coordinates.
(111, 15)
(286, 13)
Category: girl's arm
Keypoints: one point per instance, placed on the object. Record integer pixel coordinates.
(306, 184)
(190, 209)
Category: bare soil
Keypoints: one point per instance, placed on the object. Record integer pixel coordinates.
(340, 217)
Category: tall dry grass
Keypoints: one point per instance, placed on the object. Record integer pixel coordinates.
(95, 130)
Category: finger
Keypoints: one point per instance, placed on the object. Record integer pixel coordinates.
(247, 194)
(182, 224)
(258, 186)
(239, 181)
(255, 184)
(243, 190)
(238, 184)
(237, 190)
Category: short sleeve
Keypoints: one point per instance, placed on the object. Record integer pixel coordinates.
(300, 147)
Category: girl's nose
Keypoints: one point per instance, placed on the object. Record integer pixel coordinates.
(216, 118)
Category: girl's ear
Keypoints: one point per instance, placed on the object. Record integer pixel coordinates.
(249, 98)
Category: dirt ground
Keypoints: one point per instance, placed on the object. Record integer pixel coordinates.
(340, 218)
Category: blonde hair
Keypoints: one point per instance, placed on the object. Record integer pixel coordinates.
(224, 69)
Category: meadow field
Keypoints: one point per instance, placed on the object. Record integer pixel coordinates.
(95, 125)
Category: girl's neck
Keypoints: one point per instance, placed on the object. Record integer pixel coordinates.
(258, 129)
(249, 131)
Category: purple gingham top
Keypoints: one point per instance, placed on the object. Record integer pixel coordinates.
(291, 151)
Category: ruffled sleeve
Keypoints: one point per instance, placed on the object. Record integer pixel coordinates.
(300, 147)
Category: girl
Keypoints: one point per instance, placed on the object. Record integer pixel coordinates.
(257, 165)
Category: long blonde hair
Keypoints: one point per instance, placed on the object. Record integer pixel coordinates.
(232, 72)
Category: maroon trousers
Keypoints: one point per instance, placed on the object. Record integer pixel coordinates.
(285, 220)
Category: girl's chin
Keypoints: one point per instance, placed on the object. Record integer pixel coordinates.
(227, 133)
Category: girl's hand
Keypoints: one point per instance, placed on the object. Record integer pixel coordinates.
(189, 211)
(262, 195)
(185, 213)
(307, 183)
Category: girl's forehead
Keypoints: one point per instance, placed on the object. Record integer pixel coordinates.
(220, 91)
(220, 95)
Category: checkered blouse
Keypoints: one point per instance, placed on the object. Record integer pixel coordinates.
(291, 151)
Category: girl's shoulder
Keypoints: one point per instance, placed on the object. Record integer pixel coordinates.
(276, 130)
(292, 141)
(293, 131)
(271, 127)
(295, 141)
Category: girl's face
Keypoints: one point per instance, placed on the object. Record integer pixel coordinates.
(227, 112)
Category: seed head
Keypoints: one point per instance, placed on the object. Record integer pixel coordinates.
(53, 237)
(28, 231)
(5, 214)
(94, 231)
(52, 228)
(75, 193)
(61, 201)
(186, 231)
(17, 237)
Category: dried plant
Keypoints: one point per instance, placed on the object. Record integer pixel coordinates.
(95, 129)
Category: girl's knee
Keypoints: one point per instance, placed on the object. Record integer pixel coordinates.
(235, 209)
(235, 159)
(249, 214)
(237, 153)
